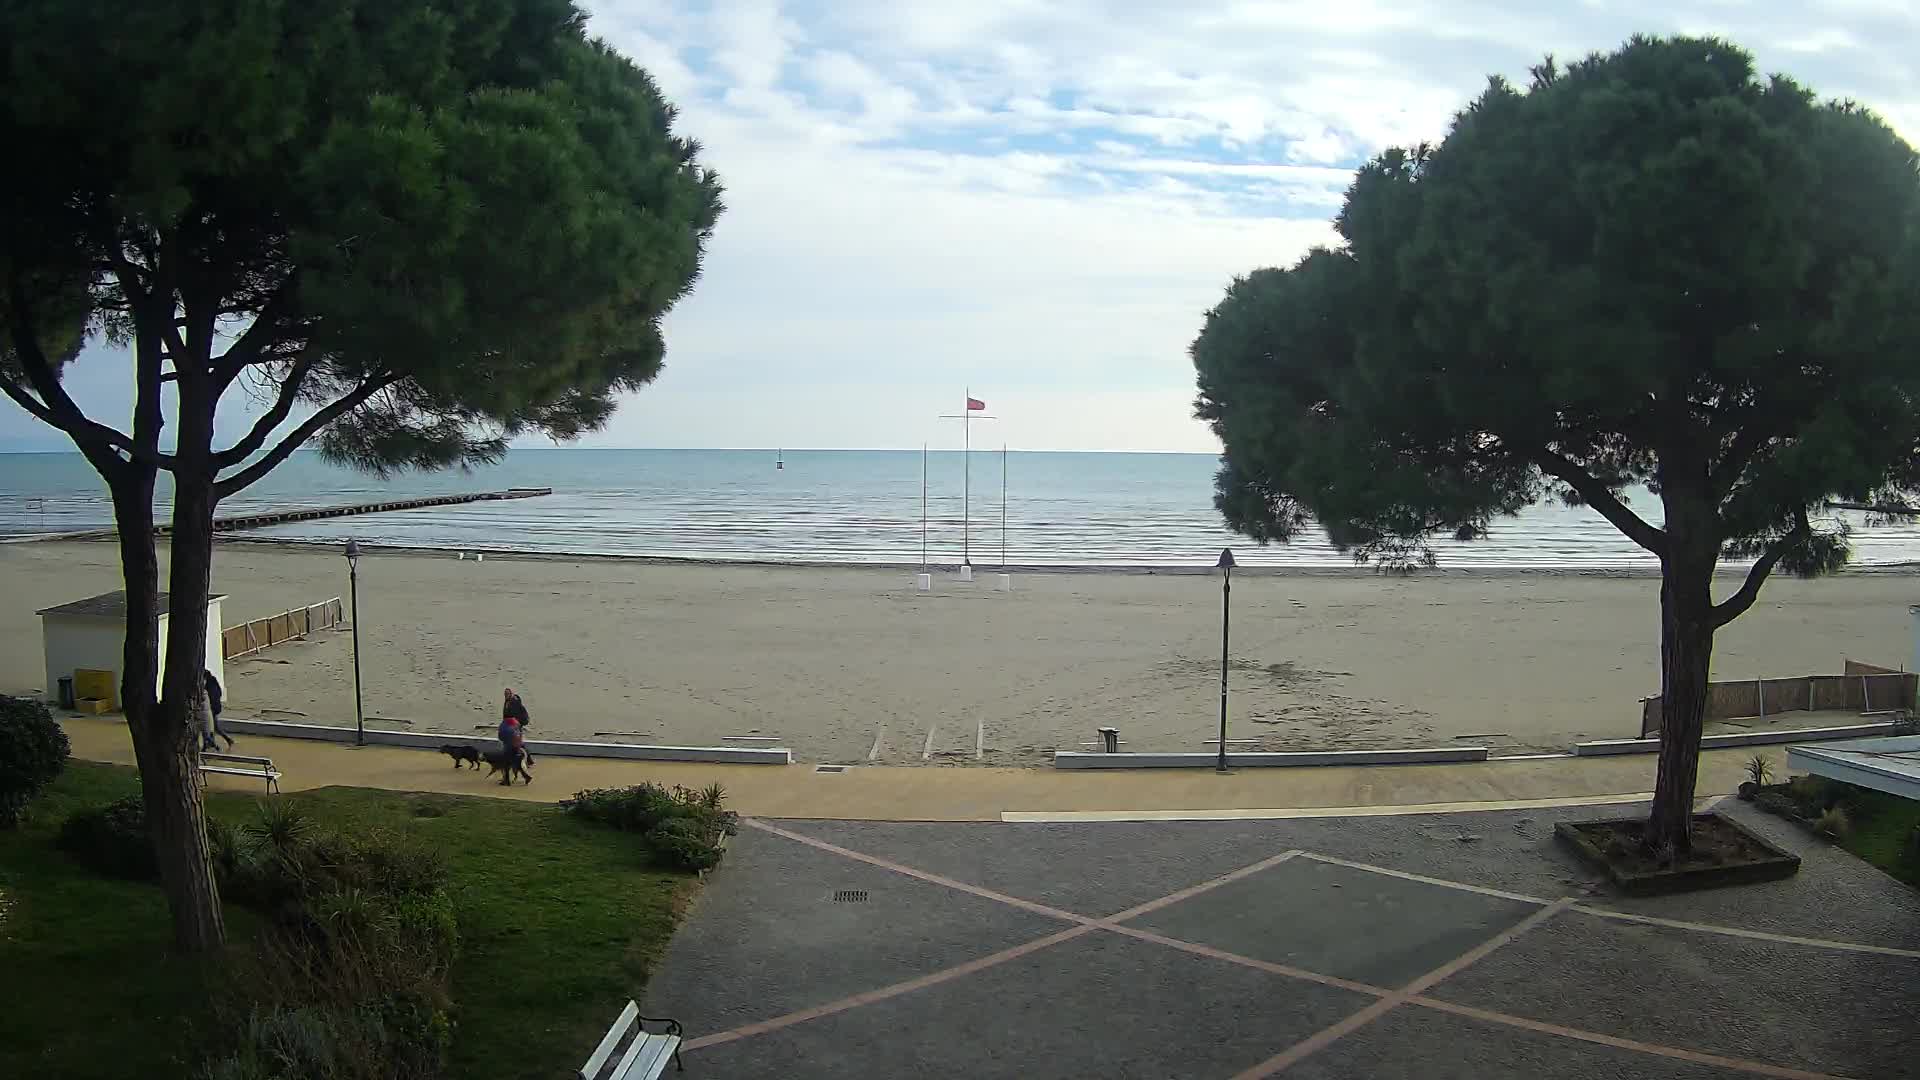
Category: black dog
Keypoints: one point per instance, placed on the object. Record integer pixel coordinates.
(498, 762)
(461, 755)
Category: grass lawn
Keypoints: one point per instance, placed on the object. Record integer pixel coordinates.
(559, 924)
(1881, 825)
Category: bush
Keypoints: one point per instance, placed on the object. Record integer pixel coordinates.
(680, 829)
(1778, 803)
(1834, 824)
(111, 839)
(683, 844)
(33, 751)
(393, 1037)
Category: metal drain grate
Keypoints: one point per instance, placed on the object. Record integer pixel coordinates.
(850, 896)
(829, 768)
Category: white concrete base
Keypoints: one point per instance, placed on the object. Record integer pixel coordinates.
(1003, 582)
(923, 582)
(1603, 747)
(966, 573)
(428, 740)
(1076, 759)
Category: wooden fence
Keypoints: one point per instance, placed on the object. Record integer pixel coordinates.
(251, 637)
(1865, 688)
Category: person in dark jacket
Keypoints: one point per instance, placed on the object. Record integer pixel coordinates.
(512, 708)
(210, 721)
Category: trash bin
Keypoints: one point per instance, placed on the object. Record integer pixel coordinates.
(66, 691)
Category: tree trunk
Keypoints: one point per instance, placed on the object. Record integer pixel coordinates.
(178, 821)
(162, 734)
(1686, 659)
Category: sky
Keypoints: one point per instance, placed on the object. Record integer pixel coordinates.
(1037, 200)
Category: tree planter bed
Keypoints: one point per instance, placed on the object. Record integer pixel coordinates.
(1724, 853)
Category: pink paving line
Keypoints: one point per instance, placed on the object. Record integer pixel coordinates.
(1758, 1068)
(1327, 1036)
(895, 990)
(1411, 994)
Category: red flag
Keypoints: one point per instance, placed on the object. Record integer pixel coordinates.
(974, 404)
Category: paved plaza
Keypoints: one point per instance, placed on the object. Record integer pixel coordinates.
(1440, 946)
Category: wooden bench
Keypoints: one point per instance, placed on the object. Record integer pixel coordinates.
(646, 1055)
(258, 768)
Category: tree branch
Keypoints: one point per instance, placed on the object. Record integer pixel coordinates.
(261, 333)
(1600, 498)
(55, 407)
(273, 418)
(1746, 443)
(1736, 605)
(327, 415)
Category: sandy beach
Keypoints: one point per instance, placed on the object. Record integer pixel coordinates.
(851, 665)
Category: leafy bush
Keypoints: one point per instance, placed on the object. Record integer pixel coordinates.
(1834, 824)
(683, 844)
(1778, 803)
(1759, 770)
(111, 839)
(33, 751)
(349, 982)
(680, 829)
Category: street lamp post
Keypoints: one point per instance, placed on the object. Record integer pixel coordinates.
(1226, 610)
(353, 592)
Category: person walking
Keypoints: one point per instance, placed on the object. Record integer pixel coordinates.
(512, 708)
(209, 706)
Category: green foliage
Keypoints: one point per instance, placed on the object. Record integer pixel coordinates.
(1777, 803)
(1834, 823)
(111, 839)
(1650, 267)
(683, 844)
(1760, 770)
(33, 750)
(111, 998)
(681, 829)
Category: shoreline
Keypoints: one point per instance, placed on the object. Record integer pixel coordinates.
(1357, 572)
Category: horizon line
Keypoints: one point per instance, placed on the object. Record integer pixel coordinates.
(74, 452)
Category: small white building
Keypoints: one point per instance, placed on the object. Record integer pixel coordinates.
(91, 634)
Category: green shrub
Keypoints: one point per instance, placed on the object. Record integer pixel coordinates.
(1774, 802)
(1834, 823)
(683, 844)
(393, 1037)
(680, 829)
(1759, 770)
(111, 839)
(33, 751)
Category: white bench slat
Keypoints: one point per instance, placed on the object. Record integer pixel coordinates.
(654, 1053)
(208, 755)
(591, 1070)
(255, 773)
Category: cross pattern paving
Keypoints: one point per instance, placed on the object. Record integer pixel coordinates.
(1321, 948)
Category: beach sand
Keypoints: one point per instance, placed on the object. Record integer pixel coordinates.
(851, 665)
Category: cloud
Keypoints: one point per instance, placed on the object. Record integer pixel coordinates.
(1038, 199)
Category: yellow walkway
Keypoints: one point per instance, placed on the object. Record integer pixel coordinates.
(892, 793)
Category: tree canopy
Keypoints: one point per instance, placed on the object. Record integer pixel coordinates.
(411, 229)
(1651, 268)
(425, 227)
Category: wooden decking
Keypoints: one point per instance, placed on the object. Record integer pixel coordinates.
(281, 517)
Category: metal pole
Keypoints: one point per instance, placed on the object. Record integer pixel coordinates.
(1226, 612)
(923, 508)
(966, 481)
(1003, 508)
(359, 715)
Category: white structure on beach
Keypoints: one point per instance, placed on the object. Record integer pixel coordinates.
(90, 634)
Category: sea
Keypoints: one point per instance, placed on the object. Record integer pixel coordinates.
(1026, 508)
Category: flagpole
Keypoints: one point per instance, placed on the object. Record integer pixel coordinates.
(923, 508)
(1003, 508)
(966, 480)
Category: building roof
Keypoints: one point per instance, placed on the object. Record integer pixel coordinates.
(1890, 764)
(108, 605)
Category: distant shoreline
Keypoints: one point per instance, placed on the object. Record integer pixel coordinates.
(1903, 569)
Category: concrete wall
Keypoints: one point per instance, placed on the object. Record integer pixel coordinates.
(428, 740)
(91, 641)
(1075, 759)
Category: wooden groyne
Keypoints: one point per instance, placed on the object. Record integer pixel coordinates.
(282, 517)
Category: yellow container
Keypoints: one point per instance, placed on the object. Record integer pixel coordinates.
(96, 684)
(93, 706)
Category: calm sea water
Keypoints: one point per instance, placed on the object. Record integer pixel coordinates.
(839, 506)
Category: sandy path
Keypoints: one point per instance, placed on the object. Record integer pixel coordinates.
(841, 663)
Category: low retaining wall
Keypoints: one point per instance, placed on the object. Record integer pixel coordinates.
(427, 740)
(1604, 747)
(1077, 759)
